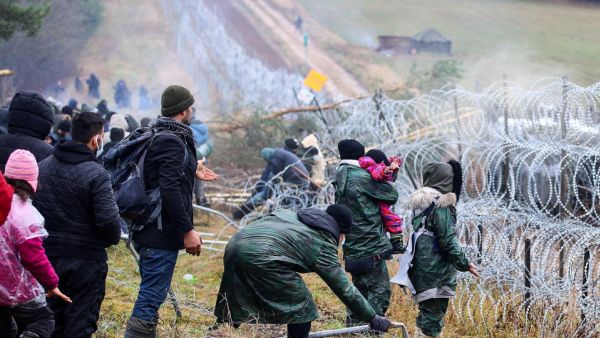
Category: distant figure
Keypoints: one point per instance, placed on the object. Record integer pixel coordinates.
(78, 85)
(122, 94)
(145, 122)
(93, 86)
(73, 104)
(298, 24)
(116, 135)
(145, 101)
(103, 109)
(59, 89)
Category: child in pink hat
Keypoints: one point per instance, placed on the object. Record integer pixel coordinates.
(26, 275)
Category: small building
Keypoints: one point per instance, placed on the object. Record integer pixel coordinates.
(427, 41)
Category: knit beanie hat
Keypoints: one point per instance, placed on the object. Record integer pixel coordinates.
(292, 143)
(67, 110)
(116, 134)
(175, 99)
(378, 156)
(351, 149)
(21, 165)
(64, 125)
(342, 216)
(267, 153)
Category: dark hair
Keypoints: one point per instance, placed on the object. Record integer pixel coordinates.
(85, 125)
(22, 188)
(378, 156)
(311, 151)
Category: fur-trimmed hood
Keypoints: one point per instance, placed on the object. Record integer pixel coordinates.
(422, 199)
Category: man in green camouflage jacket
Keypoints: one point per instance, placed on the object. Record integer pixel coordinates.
(434, 254)
(366, 247)
(261, 282)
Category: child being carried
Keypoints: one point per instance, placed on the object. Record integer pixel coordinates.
(383, 169)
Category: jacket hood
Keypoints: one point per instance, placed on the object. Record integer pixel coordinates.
(74, 153)
(422, 199)
(320, 220)
(439, 176)
(30, 114)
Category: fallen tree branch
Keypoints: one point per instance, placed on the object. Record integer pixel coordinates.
(229, 126)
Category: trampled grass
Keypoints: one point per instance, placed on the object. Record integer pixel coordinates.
(197, 300)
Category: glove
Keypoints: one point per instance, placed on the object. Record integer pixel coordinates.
(380, 324)
(397, 245)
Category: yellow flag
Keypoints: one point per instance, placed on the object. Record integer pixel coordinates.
(315, 80)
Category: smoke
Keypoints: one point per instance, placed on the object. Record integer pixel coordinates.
(509, 62)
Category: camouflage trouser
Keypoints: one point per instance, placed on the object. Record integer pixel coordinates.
(431, 316)
(375, 287)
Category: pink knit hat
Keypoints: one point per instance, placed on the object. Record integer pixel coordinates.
(22, 165)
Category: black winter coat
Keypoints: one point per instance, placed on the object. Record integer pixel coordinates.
(164, 167)
(76, 199)
(29, 122)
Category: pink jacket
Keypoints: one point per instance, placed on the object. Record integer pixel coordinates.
(25, 270)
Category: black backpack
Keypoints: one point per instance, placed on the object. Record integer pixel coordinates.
(125, 163)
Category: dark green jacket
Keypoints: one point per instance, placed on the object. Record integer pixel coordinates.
(357, 190)
(436, 259)
(262, 262)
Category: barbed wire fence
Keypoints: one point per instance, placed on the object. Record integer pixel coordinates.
(529, 213)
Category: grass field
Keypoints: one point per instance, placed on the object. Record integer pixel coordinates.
(197, 300)
(524, 40)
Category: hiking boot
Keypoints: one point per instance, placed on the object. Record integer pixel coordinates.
(138, 328)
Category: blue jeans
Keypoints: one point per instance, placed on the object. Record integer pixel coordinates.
(156, 270)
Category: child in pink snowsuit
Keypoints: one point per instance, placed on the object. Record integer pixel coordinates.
(384, 169)
(26, 275)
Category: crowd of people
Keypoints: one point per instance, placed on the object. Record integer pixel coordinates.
(68, 192)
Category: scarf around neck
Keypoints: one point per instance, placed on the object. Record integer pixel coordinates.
(166, 124)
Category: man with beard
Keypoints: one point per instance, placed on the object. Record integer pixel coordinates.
(170, 165)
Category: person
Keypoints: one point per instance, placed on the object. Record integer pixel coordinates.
(145, 122)
(314, 161)
(116, 135)
(30, 119)
(366, 247)
(279, 162)
(6, 197)
(170, 165)
(67, 110)
(292, 145)
(116, 120)
(103, 109)
(204, 148)
(386, 170)
(298, 24)
(78, 85)
(26, 275)
(261, 282)
(93, 86)
(429, 266)
(122, 94)
(82, 219)
(73, 104)
(62, 133)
